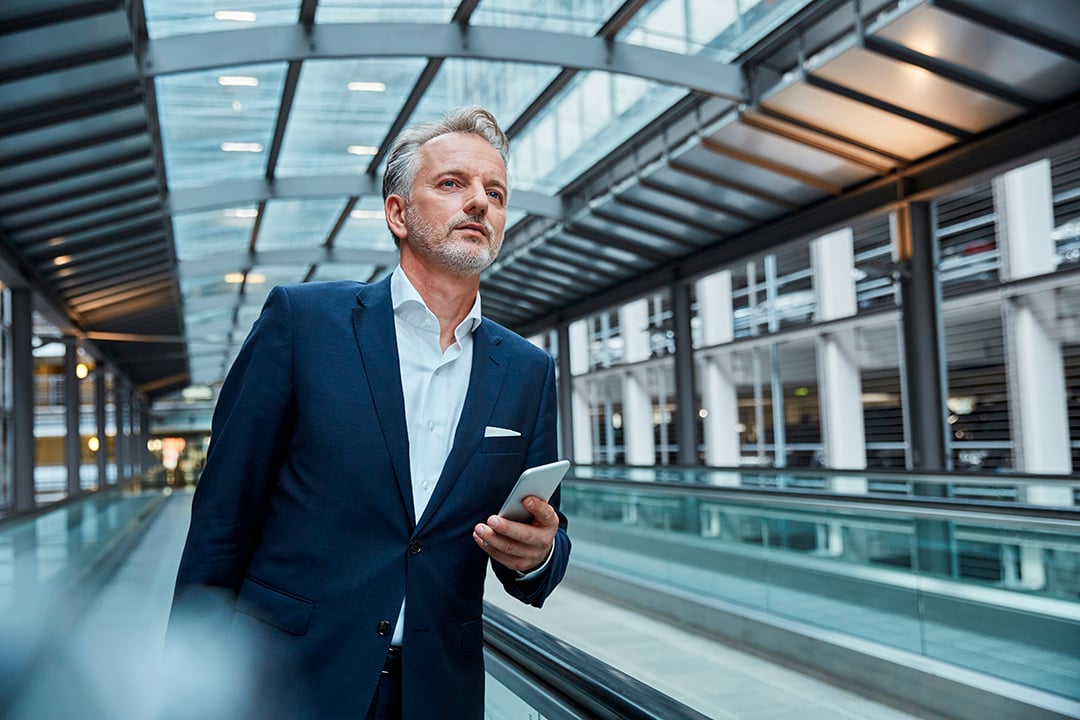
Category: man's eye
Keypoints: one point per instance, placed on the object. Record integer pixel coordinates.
(495, 194)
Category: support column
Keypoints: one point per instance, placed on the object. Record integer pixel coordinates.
(132, 454)
(22, 396)
(578, 361)
(101, 456)
(926, 416)
(924, 378)
(120, 413)
(719, 395)
(1038, 410)
(566, 390)
(686, 417)
(639, 442)
(843, 434)
(147, 461)
(72, 445)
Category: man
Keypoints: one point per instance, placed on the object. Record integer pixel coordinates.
(343, 523)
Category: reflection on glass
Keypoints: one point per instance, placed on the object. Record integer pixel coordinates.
(504, 88)
(355, 11)
(168, 17)
(303, 223)
(206, 233)
(721, 29)
(584, 17)
(212, 131)
(595, 113)
(342, 104)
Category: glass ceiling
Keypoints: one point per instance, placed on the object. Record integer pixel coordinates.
(156, 181)
(219, 128)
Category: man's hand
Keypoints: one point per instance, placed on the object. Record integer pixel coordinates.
(520, 546)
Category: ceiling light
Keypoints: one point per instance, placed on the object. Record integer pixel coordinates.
(367, 86)
(234, 278)
(235, 15)
(62, 260)
(255, 278)
(241, 147)
(362, 149)
(238, 81)
(242, 212)
(367, 214)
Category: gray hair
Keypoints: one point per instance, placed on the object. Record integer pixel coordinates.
(403, 159)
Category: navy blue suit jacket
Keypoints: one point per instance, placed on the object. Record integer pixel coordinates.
(303, 528)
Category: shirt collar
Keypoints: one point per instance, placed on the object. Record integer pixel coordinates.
(411, 308)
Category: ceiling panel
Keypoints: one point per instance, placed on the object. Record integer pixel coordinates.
(1037, 72)
(840, 116)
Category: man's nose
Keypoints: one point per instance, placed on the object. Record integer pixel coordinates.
(476, 199)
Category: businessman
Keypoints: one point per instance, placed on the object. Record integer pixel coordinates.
(363, 439)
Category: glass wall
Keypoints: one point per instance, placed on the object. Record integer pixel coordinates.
(799, 353)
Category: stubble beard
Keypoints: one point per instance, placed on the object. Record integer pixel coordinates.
(462, 256)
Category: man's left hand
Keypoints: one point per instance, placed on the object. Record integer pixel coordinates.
(520, 546)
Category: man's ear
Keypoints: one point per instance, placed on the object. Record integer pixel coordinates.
(395, 207)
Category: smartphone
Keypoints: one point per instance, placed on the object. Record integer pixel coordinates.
(539, 481)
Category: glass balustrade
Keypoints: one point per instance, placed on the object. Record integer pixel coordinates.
(990, 586)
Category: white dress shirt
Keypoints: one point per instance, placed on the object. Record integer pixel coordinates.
(434, 383)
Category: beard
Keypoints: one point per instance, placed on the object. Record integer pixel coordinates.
(463, 256)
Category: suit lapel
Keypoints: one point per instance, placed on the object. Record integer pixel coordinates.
(485, 381)
(373, 322)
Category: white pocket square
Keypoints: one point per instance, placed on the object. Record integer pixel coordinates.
(492, 431)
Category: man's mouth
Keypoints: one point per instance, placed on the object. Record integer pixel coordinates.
(474, 227)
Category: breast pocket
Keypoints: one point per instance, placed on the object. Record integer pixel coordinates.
(509, 444)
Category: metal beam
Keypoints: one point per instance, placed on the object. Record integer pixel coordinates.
(204, 51)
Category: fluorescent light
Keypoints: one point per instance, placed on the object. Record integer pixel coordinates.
(362, 149)
(242, 212)
(367, 214)
(235, 278)
(238, 81)
(241, 147)
(62, 260)
(359, 86)
(235, 15)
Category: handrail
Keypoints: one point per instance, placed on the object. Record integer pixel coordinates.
(915, 506)
(572, 677)
(1003, 477)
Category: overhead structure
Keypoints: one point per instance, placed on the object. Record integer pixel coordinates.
(163, 163)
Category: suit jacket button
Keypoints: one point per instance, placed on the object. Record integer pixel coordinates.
(383, 628)
(415, 547)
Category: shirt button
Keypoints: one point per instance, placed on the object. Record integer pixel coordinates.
(383, 628)
(415, 547)
(431, 427)
(425, 484)
(436, 372)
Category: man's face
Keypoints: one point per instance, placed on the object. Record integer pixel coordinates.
(457, 212)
